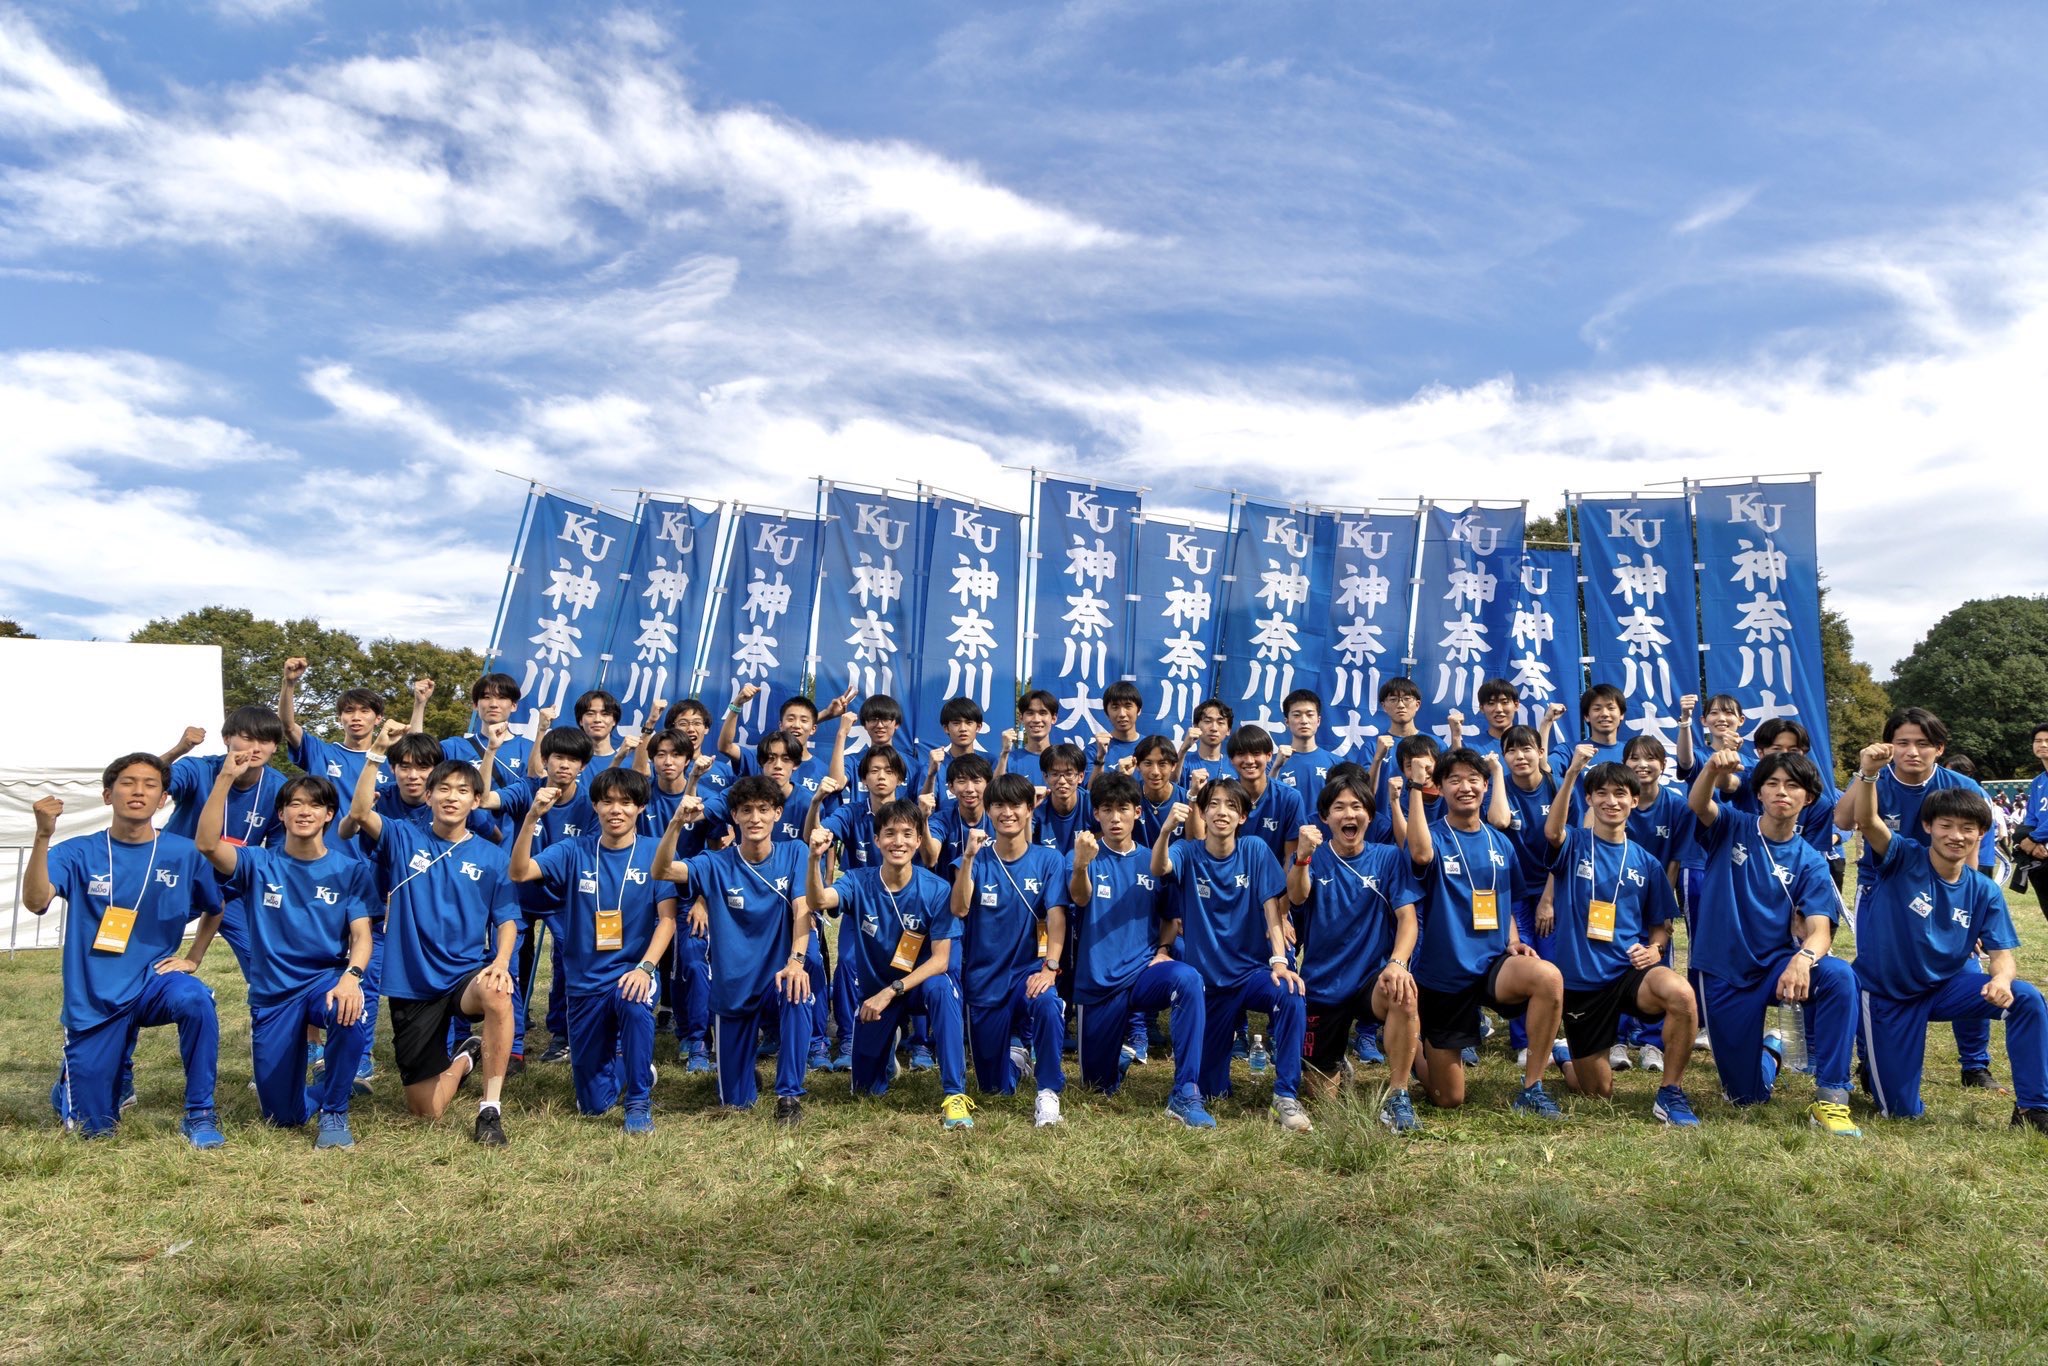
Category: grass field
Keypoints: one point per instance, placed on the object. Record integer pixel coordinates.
(870, 1234)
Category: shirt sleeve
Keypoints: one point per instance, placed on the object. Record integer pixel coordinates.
(1176, 858)
(1267, 879)
(1562, 857)
(514, 798)
(504, 905)
(1814, 890)
(360, 892)
(300, 751)
(189, 782)
(847, 886)
(1058, 872)
(557, 872)
(1995, 928)
(1403, 887)
(206, 898)
(67, 876)
(239, 883)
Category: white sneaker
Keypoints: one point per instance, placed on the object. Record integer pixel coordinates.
(1653, 1058)
(1701, 1042)
(1047, 1111)
(1521, 1057)
(1020, 1059)
(1617, 1058)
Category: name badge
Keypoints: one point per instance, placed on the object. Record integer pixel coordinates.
(611, 930)
(1486, 912)
(1600, 921)
(989, 898)
(101, 885)
(586, 884)
(273, 900)
(115, 927)
(1202, 888)
(907, 946)
(734, 899)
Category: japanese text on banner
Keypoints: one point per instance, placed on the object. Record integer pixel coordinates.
(866, 623)
(559, 611)
(1363, 588)
(1271, 643)
(1086, 537)
(764, 621)
(654, 637)
(1465, 607)
(973, 587)
(1635, 555)
(1176, 582)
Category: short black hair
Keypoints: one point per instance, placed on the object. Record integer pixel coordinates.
(1225, 787)
(599, 699)
(880, 707)
(1123, 690)
(791, 746)
(1767, 734)
(756, 789)
(112, 772)
(1153, 744)
(886, 755)
(457, 768)
(673, 739)
(1040, 697)
(797, 702)
(620, 784)
(1419, 746)
(1521, 737)
(1220, 707)
(1607, 775)
(1248, 739)
(1726, 701)
(414, 750)
(2039, 731)
(253, 723)
(902, 811)
(359, 699)
(687, 707)
(1010, 789)
(1930, 725)
(957, 709)
(1461, 757)
(494, 685)
(309, 788)
(968, 767)
(1112, 788)
(1646, 747)
(1960, 763)
(569, 742)
(1399, 686)
(1797, 768)
(1066, 753)
(1957, 803)
(1601, 692)
(1337, 784)
(1498, 690)
(1300, 695)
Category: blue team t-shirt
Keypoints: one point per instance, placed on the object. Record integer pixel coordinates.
(392, 807)
(1527, 813)
(1753, 894)
(1116, 932)
(2036, 822)
(853, 825)
(584, 878)
(1347, 923)
(1057, 831)
(1453, 950)
(1305, 771)
(1152, 815)
(442, 904)
(296, 914)
(1590, 869)
(1666, 827)
(950, 828)
(513, 756)
(1914, 931)
(1221, 906)
(1898, 806)
(165, 881)
(343, 767)
(1276, 819)
(1006, 919)
(750, 908)
(879, 918)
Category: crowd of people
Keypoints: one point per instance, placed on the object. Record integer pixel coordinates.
(1014, 901)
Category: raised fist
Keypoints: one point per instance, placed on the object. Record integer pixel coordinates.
(195, 736)
(1308, 841)
(545, 717)
(1875, 757)
(1178, 816)
(1554, 712)
(1583, 755)
(829, 786)
(294, 669)
(1725, 761)
(47, 810)
(929, 801)
(498, 732)
(976, 839)
(747, 693)
(1687, 705)
(544, 801)
(821, 842)
(1455, 717)
(1084, 847)
(701, 765)
(938, 756)
(423, 689)
(239, 762)
(391, 732)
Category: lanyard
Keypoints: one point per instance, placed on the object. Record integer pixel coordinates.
(757, 877)
(894, 904)
(150, 868)
(1620, 869)
(625, 878)
(1005, 868)
(1777, 873)
(1493, 884)
(1362, 881)
(392, 895)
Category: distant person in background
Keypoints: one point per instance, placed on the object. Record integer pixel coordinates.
(2033, 822)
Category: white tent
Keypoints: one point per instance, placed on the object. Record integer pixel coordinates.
(74, 706)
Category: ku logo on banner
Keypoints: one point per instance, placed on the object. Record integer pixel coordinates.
(1629, 522)
(1199, 559)
(968, 526)
(1284, 531)
(581, 532)
(1082, 507)
(1361, 536)
(868, 520)
(775, 542)
(1751, 507)
(677, 531)
(1484, 540)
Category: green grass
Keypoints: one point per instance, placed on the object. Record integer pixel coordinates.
(870, 1234)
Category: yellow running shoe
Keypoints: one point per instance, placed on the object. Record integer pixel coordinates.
(957, 1112)
(1832, 1117)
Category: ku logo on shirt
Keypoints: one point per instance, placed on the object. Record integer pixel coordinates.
(326, 896)
(1269, 823)
(166, 877)
(473, 872)
(1031, 885)
(1959, 914)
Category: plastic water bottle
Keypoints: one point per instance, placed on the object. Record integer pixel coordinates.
(1258, 1057)
(1792, 1032)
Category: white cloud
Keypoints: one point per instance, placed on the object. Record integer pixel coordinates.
(489, 142)
(261, 11)
(1716, 210)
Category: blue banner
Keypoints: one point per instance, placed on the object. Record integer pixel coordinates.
(560, 605)
(1081, 566)
(1271, 643)
(763, 615)
(1363, 588)
(1464, 607)
(1543, 641)
(867, 617)
(1176, 581)
(1760, 603)
(1642, 632)
(973, 591)
(660, 621)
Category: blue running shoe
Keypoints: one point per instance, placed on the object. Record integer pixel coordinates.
(698, 1059)
(1366, 1047)
(821, 1057)
(1673, 1108)
(1185, 1105)
(1470, 1057)
(639, 1119)
(334, 1132)
(316, 1058)
(1535, 1101)
(842, 1058)
(921, 1059)
(202, 1128)
(1398, 1113)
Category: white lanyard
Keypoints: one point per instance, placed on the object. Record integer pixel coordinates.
(1493, 884)
(1620, 869)
(1005, 868)
(625, 878)
(150, 868)
(392, 895)
(762, 880)
(894, 904)
(1362, 880)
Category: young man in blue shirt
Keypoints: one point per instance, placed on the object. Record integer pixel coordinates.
(1613, 910)
(1024, 748)
(1067, 809)
(251, 817)
(1471, 955)
(1305, 764)
(1202, 751)
(613, 921)
(1011, 897)
(307, 925)
(950, 826)
(1277, 812)
(899, 918)
(1355, 904)
(451, 922)
(2032, 839)
(129, 893)
(1229, 898)
(1918, 739)
(1530, 788)
(676, 770)
(1121, 704)
(852, 825)
(358, 712)
(1763, 927)
(1601, 709)
(1927, 912)
(1122, 952)
(747, 901)
(493, 697)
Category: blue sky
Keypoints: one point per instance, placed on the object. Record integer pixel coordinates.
(284, 282)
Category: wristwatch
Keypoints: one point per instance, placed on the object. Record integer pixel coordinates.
(1809, 955)
(897, 987)
(353, 971)
(650, 969)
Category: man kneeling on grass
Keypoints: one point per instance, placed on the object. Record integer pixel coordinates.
(1916, 934)
(613, 921)
(902, 931)
(448, 896)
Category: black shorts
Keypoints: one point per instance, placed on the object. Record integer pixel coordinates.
(1330, 1024)
(1592, 1018)
(419, 1031)
(1450, 1019)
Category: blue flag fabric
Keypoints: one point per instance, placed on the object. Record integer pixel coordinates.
(1635, 562)
(1080, 576)
(1760, 603)
(762, 628)
(973, 590)
(1271, 641)
(1543, 640)
(652, 651)
(1464, 607)
(867, 619)
(1363, 589)
(559, 608)
(1176, 584)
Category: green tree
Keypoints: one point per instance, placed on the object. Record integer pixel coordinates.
(1857, 705)
(254, 649)
(1983, 669)
(12, 630)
